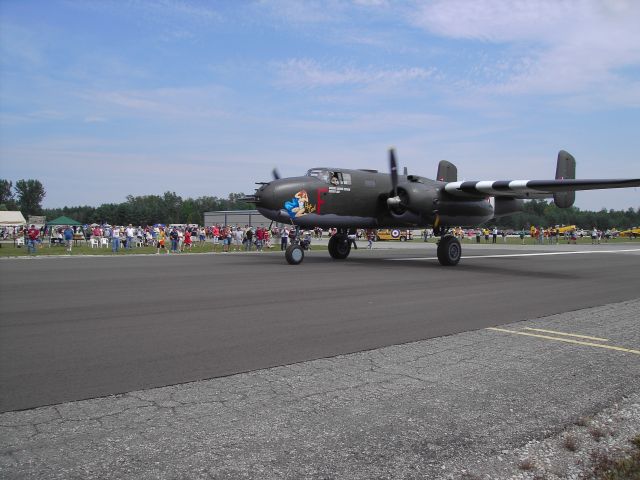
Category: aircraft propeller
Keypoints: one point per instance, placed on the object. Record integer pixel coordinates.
(393, 167)
(394, 202)
(276, 174)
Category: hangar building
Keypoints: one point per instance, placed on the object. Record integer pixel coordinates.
(252, 218)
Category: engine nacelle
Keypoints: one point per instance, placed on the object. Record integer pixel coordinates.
(506, 206)
(416, 202)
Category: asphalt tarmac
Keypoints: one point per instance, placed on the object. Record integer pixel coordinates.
(85, 327)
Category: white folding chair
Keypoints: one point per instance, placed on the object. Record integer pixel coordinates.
(93, 242)
(104, 242)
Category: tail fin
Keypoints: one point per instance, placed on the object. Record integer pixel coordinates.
(565, 169)
(447, 172)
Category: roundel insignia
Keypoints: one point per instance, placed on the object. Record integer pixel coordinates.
(395, 233)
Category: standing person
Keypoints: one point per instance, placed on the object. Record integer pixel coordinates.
(259, 238)
(215, 233)
(187, 239)
(594, 236)
(284, 238)
(180, 240)
(494, 235)
(249, 238)
(267, 238)
(115, 239)
(130, 233)
(351, 236)
(174, 236)
(237, 239)
(161, 241)
(32, 239)
(68, 237)
(226, 239)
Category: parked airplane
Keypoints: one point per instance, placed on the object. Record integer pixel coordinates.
(345, 199)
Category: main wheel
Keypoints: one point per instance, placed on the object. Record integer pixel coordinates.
(449, 251)
(339, 246)
(294, 254)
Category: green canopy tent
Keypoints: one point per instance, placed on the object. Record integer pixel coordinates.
(63, 221)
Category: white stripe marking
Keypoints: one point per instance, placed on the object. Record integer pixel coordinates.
(518, 185)
(521, 254)
(485, 186)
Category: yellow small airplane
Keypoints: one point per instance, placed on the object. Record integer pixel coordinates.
(632, 232)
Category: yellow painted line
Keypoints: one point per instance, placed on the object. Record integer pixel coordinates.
(567, 334)
(567, 340)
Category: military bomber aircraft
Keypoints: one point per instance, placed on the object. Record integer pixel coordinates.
(347, 199)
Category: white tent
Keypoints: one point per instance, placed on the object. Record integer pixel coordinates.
(11, 218)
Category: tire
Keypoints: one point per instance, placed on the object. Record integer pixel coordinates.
(449, 251)
(403, 239)
(294, 254)
(339, 247)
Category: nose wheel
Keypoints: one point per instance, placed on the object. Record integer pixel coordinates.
(294, 254)
(449, 250)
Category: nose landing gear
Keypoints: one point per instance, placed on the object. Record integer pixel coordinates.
(294, 254)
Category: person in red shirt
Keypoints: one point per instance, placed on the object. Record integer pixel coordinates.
(32, 239)
(215, 233)
(187, 239)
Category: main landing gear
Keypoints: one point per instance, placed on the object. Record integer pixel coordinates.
(449, 250)
(339, 246)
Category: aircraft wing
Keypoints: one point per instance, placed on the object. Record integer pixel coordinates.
(533, 188)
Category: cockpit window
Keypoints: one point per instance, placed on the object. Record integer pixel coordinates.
(330, 177)
(321, 174)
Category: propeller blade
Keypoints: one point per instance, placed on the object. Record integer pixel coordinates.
(276, 174)
(393, 167)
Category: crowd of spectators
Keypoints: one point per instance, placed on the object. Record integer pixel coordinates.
(180, 238)
(165, 239)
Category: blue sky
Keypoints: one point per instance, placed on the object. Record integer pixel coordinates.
(100, 99)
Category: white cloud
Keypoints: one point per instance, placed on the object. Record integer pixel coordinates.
(207, 101)
(382, 122)
(300, 13)
(563, 47)
(306, 73)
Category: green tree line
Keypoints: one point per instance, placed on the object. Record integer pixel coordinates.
(543, 213)
(151, 209)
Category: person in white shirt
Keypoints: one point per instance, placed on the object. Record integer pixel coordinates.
(115, 239)
(238, 235)
(130, 233)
